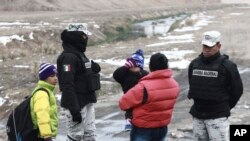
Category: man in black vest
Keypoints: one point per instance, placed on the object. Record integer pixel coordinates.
(215, 87)
(78, 80)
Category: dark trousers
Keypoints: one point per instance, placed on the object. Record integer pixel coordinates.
(148, 134)
(128, 114)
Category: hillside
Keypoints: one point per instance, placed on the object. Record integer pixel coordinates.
(93, 5)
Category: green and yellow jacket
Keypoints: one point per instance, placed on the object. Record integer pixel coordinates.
(44, 110)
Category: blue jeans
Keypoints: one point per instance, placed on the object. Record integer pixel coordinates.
(148, 134)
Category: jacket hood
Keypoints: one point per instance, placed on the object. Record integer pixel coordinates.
(77, 39)
(69, 48)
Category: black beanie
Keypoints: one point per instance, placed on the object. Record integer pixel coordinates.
(158, 61)
(75, 38)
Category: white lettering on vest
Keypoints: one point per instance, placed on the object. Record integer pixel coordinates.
(205, 73)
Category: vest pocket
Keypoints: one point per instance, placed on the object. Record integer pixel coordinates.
(93, 82)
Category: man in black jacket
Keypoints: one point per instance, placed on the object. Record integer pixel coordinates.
(78, 80)
(215, 87)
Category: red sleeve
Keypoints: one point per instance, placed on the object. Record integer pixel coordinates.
(132, 98)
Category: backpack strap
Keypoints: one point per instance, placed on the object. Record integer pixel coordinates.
(42, 89)
(145, 95)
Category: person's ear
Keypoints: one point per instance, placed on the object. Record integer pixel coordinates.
(219, 45)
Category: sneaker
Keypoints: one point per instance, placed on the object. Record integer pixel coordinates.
(128, 125)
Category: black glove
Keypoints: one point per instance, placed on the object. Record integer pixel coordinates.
(48, 139)
(76, 116)
(95, 67)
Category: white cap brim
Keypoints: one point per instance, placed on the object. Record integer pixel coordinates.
(208, 43)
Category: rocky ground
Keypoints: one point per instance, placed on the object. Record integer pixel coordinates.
(232, 22)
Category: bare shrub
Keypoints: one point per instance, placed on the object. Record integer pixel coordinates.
(190, 22)
(34, 70)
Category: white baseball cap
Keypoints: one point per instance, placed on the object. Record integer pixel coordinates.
(210, 38)
(78, 27)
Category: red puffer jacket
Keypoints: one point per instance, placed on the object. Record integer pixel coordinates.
(162, 92)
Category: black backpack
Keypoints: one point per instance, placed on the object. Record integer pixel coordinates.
(19, 126)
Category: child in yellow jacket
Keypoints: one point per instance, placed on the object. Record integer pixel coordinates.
(43, 103)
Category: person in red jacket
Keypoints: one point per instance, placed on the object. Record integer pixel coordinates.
(152, 101)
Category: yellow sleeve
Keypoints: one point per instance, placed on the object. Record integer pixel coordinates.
(41, 110)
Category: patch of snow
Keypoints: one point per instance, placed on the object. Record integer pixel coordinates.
(96, 26)
(177, 37)
(246, 106)
(2, 101)
(170, 42)
(13, 24)
(182, 64)
(21, 66)
(6, 39)
(106, 82)
(31, 36)
(111, 61)
(58, 97)
(121, 47)
(176, 53)
(41, 23)
(236, 14)
(185, 29)
(4, 27)
(244, 70)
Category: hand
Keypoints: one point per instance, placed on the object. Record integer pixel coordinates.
(95, 67)
(48, 139)
(130, 63)
(76, 116)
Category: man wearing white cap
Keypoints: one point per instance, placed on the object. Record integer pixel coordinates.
(215, 87)
(78, 78)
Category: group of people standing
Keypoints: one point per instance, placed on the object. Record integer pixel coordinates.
(78, 79)
(149, 97)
